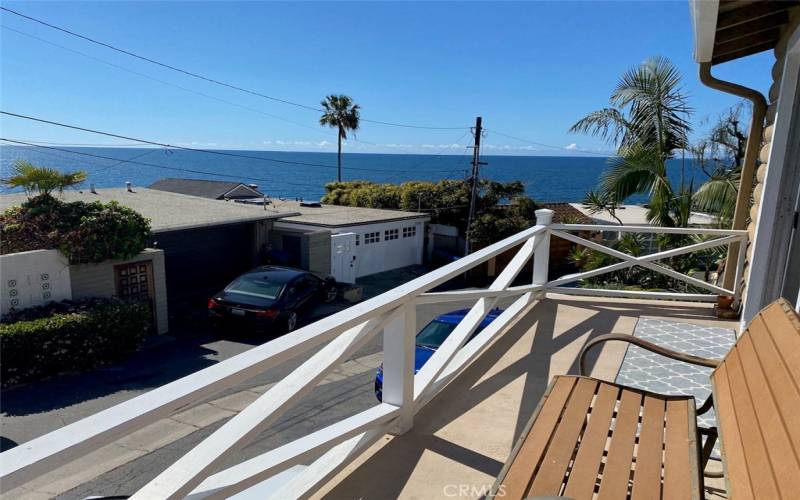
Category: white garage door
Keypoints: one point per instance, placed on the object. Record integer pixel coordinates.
(383, 247)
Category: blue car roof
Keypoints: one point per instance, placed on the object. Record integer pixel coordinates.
(455, 317)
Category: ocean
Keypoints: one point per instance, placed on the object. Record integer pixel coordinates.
(546, 178)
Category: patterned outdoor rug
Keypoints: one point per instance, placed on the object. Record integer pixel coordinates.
(649, 371)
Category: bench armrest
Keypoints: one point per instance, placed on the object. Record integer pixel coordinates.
(688, 358)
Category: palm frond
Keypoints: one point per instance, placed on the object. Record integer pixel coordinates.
(607, 123)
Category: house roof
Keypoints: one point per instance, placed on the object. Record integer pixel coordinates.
(166, 211)
(565, 213)
(636, 215)
(201, 187)
(337, 215)
(729, 29)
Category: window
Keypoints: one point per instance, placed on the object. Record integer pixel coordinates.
(358, 239)
(391, 234)
(409, 232)
(370, 238)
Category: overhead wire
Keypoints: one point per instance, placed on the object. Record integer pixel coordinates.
(541, 144)
(208, 79)
(186, 148)
(131, 161)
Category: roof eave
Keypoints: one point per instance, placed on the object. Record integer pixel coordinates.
(704, 24)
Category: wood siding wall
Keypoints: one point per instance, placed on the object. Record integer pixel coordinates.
(769, 129)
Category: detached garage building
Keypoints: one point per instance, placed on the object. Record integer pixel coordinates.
(205, 242)
(362, 241)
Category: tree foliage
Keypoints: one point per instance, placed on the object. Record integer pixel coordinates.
(720, 156)
(648, 122)
(84, 232)
(502, 209)
(41, 180)
(341, 113)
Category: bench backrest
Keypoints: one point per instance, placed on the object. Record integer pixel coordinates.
(757, 401)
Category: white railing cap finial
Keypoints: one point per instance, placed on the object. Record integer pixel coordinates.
(544, 217)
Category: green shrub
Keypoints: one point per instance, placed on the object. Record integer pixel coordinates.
(447, 202)
(84, 232)
(83, 336)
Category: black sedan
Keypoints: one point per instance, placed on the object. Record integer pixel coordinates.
(268, 298)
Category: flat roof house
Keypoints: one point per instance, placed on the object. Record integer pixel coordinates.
(205, 242)
(363, 241)
(635, 215)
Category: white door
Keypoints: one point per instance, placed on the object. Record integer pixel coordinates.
(343, 257)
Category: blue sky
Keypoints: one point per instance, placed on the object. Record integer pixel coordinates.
(530, 69)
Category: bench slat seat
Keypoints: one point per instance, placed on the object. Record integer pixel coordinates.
(590, 437)
(757, 397)
(595, 439)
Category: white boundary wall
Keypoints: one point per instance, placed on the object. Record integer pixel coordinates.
(33, 278)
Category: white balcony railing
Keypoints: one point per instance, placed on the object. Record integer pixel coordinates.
(198, 474)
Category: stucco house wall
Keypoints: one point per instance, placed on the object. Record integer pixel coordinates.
(98, 280)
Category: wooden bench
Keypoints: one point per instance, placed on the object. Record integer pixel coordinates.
(594, 439)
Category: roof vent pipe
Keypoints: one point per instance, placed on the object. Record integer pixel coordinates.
(748, 163)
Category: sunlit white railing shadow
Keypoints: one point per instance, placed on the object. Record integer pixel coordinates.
(198, 474)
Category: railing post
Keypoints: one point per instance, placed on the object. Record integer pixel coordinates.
(398, 366)
(541, 256)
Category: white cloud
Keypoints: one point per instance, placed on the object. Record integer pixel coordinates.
(572, 147)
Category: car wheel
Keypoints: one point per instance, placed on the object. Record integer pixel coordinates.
(331, 293)
(291, 321)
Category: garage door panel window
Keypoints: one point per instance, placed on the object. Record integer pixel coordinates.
(370, 238)
(391, 234)
(409, 232)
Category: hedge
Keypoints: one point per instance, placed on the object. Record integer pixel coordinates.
(84, 232)
(70, 336)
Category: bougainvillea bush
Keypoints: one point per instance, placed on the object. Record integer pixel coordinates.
(84, 232)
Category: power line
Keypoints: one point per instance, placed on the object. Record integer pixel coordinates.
(193, 171)
(205, 78)
(186, 148)
(89, 144)
(594, 153)
(179, 87)
(164, 82)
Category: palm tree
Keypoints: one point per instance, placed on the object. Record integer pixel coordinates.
(342, 114)
(648, 122)
(42, 180)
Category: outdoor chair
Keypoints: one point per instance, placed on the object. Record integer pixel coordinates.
(589, 437)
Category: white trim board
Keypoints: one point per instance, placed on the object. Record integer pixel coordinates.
(773, 227)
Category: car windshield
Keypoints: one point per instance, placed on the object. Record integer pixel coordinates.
(257, 287)
(434, 334)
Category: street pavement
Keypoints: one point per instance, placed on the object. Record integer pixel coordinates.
(124, 466)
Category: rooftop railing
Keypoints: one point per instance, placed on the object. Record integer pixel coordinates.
(199, 473)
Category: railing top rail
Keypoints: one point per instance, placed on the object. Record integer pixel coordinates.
(45, 453)
(649, 229)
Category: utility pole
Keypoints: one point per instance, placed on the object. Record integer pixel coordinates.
(476, 163)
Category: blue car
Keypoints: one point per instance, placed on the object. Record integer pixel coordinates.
(432, 336)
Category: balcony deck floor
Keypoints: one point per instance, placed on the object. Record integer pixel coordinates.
(461, 439)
